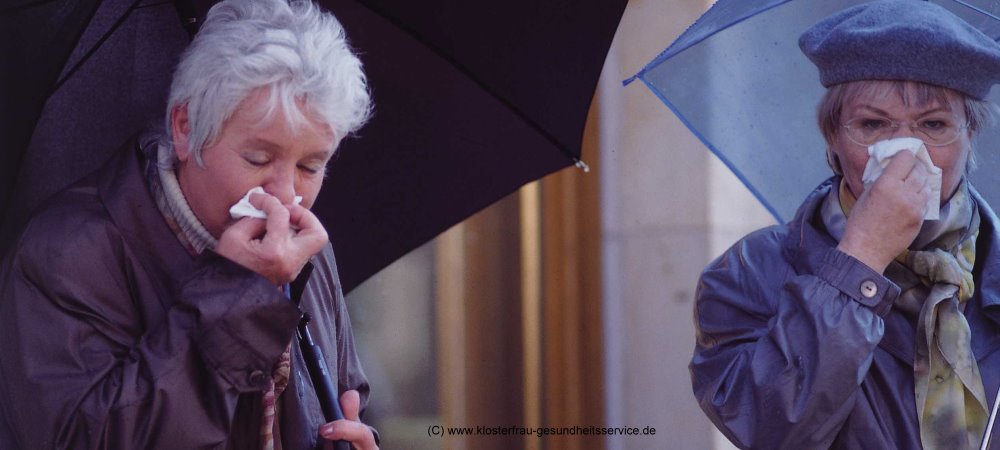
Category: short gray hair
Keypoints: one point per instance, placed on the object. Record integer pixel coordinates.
(294, 48)
(981, 114)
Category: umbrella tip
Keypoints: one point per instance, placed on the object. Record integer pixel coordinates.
(581, 165)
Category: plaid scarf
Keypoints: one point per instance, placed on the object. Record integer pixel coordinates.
(935, 277)
(162, 182)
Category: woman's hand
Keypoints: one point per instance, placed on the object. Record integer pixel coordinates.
(889, 213)
(277, 247)
(350, 428)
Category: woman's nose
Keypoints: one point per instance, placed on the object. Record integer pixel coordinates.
(281, 184)
(903, 129)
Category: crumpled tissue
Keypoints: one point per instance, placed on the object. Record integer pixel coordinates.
(243, 208)
(881, 152)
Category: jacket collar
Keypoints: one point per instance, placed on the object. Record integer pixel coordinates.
(123, 190)
(985, 319)
(804, 238)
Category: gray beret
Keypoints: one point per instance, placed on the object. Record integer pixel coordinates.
(903, 40)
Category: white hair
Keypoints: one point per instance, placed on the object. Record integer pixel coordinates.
(295, 49)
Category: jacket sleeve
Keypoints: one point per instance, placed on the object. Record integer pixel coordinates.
(350, 375)
(336, 331)
(781, 351)
(80, 367)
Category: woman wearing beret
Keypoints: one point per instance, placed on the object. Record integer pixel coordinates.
(872, 319)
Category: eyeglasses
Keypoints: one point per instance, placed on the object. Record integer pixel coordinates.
(936, 131)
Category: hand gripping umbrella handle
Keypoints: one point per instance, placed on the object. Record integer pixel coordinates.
(320, 375)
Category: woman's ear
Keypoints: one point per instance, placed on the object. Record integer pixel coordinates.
(180, 129)
(833, 161)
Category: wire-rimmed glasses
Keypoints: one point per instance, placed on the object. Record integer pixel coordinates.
(934, 131)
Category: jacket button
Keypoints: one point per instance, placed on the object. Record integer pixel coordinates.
(257, 378)
(868, 288)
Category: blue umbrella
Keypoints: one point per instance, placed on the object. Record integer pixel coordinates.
(737, 79)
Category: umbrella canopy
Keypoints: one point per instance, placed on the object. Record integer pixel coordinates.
(473, 99)
(738, 80)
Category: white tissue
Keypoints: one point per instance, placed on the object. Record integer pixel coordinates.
(243, 208)
(879, 154)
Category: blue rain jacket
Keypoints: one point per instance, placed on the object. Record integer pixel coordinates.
(791, 354)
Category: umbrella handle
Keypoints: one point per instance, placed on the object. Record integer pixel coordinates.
(319, 373)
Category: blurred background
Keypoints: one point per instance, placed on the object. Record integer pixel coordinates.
(569, 302)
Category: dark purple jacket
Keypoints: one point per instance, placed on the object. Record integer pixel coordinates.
(790, 354)
(113, 336)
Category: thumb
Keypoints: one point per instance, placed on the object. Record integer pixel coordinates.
(350, 404)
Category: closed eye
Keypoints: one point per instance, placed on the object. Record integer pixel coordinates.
(874, 124)
(310, 169)
(934, 124)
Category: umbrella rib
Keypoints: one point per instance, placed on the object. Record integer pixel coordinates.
(531, 123)
(118, 23)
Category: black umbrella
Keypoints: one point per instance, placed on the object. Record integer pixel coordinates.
(473, 99)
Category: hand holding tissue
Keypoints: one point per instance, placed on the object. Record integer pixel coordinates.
(243, 208)
(881, 152)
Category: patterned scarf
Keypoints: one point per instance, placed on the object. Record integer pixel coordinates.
(935, 276)
(162, 182)
(277, 385)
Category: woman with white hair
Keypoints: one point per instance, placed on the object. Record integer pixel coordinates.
(154, 304)
(872, 319)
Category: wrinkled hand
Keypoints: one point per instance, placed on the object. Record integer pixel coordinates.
(277, 247)
(888, 215)
(350, 428)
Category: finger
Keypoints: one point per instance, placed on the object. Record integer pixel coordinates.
(310, 236)
(266, 202)
(917, 177)
(277, 215)
(900, 165)
(247, 229)
(357, 433)
(259, 200)
(301, 217)
(350, 403)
